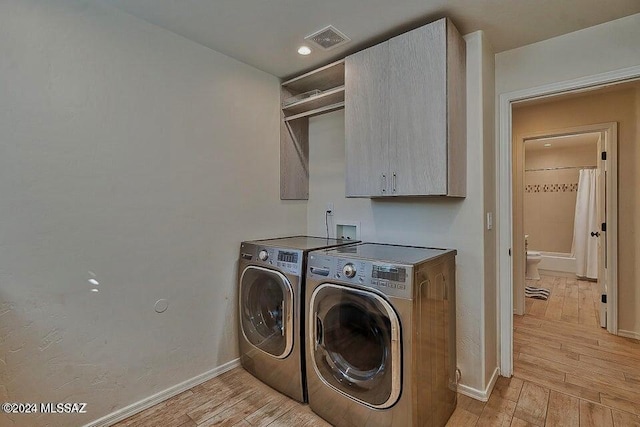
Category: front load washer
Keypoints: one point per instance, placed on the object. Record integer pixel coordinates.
(381, 347)
(271, 295)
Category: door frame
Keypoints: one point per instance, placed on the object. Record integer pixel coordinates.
(504, 189)
(610, 145)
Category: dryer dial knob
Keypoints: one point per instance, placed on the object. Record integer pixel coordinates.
(263, 255)
(349, 270)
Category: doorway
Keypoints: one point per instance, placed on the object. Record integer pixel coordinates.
(508, 245)
(564, 189)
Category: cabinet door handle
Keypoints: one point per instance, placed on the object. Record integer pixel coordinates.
(384, 183)
(394, 182)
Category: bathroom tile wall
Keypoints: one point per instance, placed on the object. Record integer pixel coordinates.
(550, 195)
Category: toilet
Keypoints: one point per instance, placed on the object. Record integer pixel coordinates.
(533, 259)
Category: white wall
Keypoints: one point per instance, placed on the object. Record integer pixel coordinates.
(490, 302)
(607, 47)
(450, 223)
(135, 154)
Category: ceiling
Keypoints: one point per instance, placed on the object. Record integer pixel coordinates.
(267, 33)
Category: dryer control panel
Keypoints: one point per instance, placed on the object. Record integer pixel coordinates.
(390, 279)
(286, 260)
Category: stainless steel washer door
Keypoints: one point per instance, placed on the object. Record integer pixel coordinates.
(355, 345)
(266, 310)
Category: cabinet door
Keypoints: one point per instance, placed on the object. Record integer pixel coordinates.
(367, 122)
(418, 111)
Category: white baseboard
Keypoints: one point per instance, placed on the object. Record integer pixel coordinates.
(481, 395)
(629, 334)
(148, 402)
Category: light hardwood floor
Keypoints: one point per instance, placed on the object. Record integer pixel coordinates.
(235, 398)
(568, 372)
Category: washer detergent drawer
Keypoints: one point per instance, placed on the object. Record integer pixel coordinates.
(266, 310)
(355, 344)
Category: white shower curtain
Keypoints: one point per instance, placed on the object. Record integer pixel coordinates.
(585, 247)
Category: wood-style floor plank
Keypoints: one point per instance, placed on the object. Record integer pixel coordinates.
(493, 418)
(498, 410)
(621, 404)
(568, 372)
(270, 412)
(587, 308)
(563, 337)
(563, 410)
(517, 422)
(498, 403)
(528, 303)
(571, 306)
(548, 349)
(561, 386)
(555, 354)
(570, 366)
(624, 419)
(538, 308)
(542, 373)
(235, 398)
(532, 405)
(626, 366)
(471, 405)
(556, 301)
(594, 415)
(599, 368)
(462, 418)
(508, 388)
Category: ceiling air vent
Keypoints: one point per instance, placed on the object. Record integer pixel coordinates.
(328, 38)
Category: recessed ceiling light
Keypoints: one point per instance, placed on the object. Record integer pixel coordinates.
(547, 145)
(304, 50)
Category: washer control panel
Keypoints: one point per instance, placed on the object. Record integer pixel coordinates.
(390, 279)
(286, 260)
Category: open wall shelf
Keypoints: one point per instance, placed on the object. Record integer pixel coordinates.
(323, 78)
(294, 123)
(332, 98)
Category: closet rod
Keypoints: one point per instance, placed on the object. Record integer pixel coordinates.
(560, 168)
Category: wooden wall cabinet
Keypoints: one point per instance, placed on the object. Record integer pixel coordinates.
(405, 115)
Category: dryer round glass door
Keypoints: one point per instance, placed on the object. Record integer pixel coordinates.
(355, 345)
(266, 310)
